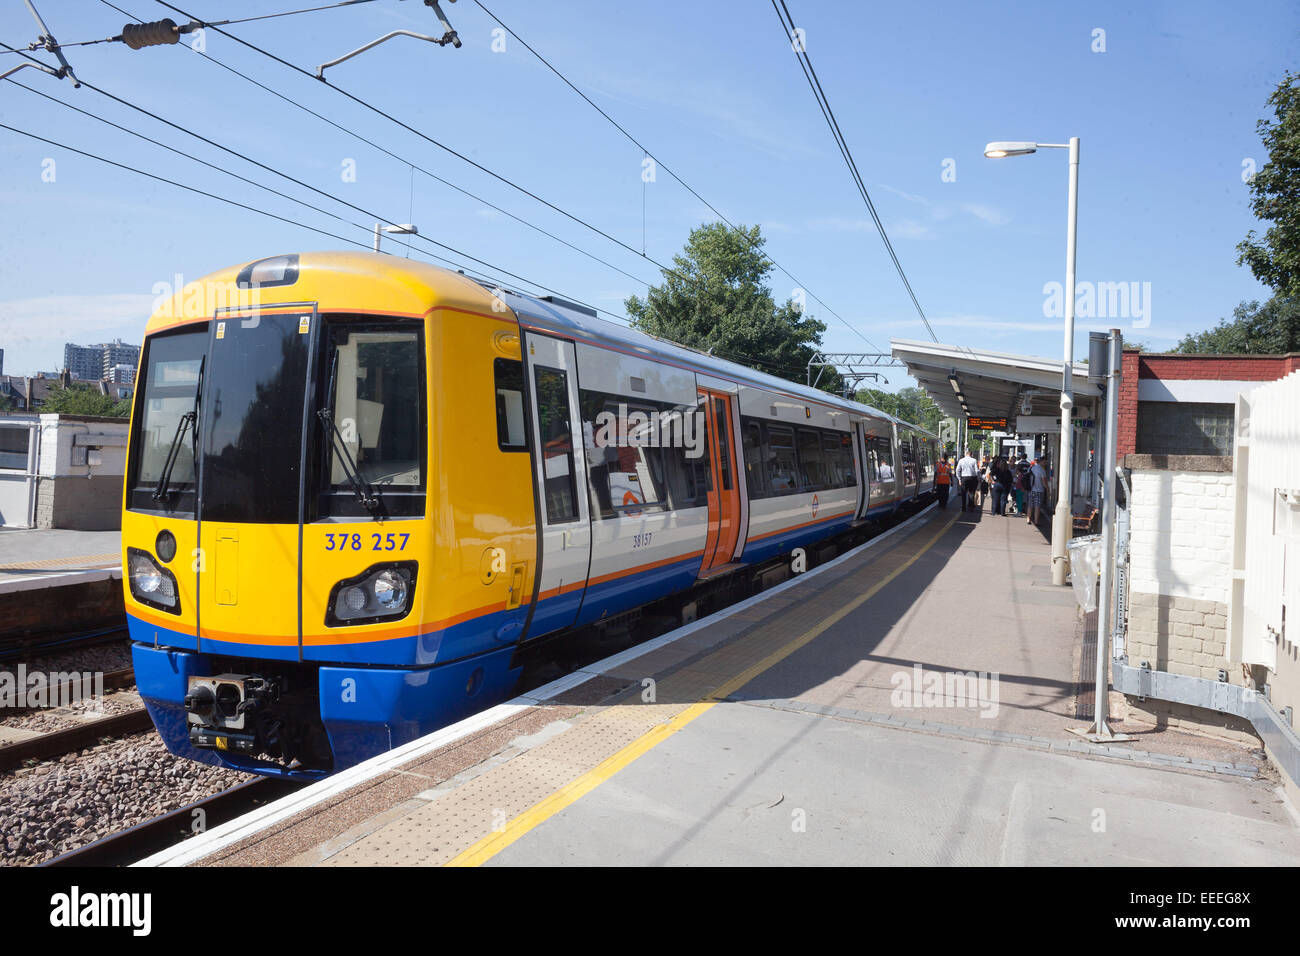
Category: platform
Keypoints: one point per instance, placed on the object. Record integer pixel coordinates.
(44, 558)
(803, 727)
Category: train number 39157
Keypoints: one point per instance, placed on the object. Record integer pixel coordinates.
(343, 541)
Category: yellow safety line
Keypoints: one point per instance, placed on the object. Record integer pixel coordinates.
(494, 843)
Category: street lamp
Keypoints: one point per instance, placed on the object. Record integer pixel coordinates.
(1061, 520)
(404, 230)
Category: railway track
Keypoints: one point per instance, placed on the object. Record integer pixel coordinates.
(18, 745)
(137, 842)
(15, 646)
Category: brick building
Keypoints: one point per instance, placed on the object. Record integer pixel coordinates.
(1183, 404)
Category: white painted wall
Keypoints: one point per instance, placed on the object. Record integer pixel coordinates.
(1181, 542)
(62, 437)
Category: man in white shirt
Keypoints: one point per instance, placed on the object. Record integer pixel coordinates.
(968, 477)
(1037, 490)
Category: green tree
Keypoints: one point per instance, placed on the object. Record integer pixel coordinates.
(716, 299)
(1271, 328)
(84, 400)
(1275, 196)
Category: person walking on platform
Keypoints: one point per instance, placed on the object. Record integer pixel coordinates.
(1021, 472)
(1000, 479)
(1037, 490)
(942, 481)
(968, 475)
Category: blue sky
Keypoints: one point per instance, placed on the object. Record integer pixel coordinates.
(1166, 115)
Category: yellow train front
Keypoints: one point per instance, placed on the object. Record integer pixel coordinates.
(323, 548)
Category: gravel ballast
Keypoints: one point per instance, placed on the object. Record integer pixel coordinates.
(63, 804)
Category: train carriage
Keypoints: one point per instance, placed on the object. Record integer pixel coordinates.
(361, 488)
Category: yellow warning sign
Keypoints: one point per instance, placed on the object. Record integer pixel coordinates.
(304, 324)
(221, 330)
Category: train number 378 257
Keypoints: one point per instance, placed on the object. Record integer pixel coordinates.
(343, 541)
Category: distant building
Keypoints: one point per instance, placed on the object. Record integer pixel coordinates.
(115, 354)
(84, 362)
(95, 363)
(121, 375)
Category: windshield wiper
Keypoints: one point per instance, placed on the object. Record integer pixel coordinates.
(161, 491)
(364, 492)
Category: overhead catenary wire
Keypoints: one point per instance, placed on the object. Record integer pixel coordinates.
(424, 136)
(325, 232)
(248, 159)
(724, 354)
(814, 83)
(659, 164)
(402, 159)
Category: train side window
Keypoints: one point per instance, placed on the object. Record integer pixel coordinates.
(633, 465)
(812, 460)
(557, 444)
(782, 465)
(512, 435)
(839, 461)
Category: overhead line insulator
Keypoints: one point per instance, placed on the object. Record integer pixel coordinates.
(158, 33)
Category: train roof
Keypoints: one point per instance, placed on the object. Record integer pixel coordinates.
(566, 318)
(412, 287)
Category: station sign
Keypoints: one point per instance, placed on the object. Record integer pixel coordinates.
(986, 424)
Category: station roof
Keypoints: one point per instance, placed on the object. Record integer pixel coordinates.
(992, 382)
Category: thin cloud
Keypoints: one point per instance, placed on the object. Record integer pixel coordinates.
(33, 331)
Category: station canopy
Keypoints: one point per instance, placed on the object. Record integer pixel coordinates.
(994, 385)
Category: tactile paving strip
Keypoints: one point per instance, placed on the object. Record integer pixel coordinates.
(89, 561)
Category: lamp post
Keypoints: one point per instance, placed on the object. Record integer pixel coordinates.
(404, 230)
(1061, 523)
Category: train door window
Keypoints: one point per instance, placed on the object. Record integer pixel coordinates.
(812, 460)
(755, 475)
(883, 457)
(557, 444)
(782, 466)
(908, 457)
(509, 378)
(377, 406)
(724, 443)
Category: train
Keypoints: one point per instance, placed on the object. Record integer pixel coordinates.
(362, 490)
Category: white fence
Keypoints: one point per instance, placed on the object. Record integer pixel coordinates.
(1266, 540)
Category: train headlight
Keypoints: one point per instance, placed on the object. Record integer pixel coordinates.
(390, 590)
(380, 593)
(151, 584)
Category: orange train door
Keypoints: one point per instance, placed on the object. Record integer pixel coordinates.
(724, 489)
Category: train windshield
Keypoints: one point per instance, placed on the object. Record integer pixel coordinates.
(168, 391)
(251, 433)
(373, 390)
(254, 380)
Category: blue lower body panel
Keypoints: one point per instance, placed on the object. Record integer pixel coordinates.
(365, 710)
